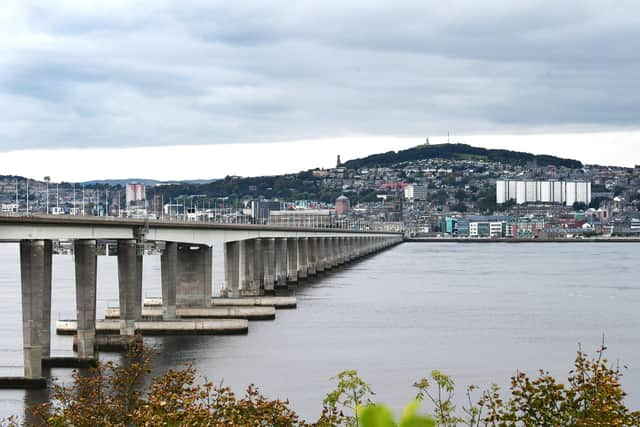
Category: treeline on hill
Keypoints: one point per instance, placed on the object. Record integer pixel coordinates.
(459, 152)
(298, 186)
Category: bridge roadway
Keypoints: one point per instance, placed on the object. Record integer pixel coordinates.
(240, 260)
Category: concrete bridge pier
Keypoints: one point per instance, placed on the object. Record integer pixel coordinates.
(326, 256)
(333, 251)
(320, 256)
(269, 263)
(292, 260)
(169, 272)
(348, 249)
(303, 257)
(312, 256)
(252, 267)
(45, 334)
(129, 285)
(281, 262)
(86, 266)
(193, 275)
(341, 251)
(35, 277)
(232, 269)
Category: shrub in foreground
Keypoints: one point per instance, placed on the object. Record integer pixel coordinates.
(113, 395)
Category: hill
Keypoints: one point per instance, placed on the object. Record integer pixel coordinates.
(459, 152)
(145, 181)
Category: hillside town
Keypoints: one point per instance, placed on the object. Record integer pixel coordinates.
(468, 197)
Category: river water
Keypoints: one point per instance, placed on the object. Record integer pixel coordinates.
(479, 312)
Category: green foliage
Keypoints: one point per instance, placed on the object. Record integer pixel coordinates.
(580, 206)
(593, 396)
(114, 395)
(442, 399)
(350, 394)
(381, 416)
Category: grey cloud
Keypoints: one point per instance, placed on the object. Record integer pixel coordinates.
(196, 72)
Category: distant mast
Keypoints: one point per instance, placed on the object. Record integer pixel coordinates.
(338, 163)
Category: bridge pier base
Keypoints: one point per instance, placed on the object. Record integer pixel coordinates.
(86, 264)
(129, 286)
(169, 272)
(35, 278)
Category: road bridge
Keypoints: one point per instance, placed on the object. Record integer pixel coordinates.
(198, 261)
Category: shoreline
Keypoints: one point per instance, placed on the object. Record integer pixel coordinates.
(471, 241)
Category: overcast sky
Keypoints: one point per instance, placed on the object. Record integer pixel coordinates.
(84, 85)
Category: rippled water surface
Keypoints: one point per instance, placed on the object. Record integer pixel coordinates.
(476, 311)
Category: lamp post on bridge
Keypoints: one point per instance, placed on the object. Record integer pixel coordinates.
(46, 180)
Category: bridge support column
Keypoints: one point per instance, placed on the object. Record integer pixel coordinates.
(303, 257)
(251, 261)
(333, 251)
(193, 277)
(232, 269)
(269, 264)
(320, 255)
(129, 285)
(258, 284)
(86, 263)
(292, 259)
(45, 334)
(326, 253)
(341, 257)
(348, 248)
(169, 272)
(35, 278)
(312, 255)
(281, 262)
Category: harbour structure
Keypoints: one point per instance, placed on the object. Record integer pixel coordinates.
(199, 261)
(523, 191)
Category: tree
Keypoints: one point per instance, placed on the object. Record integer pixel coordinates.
(580, 206)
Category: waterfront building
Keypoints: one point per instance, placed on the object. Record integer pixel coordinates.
(567, 192)
(450, 224)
